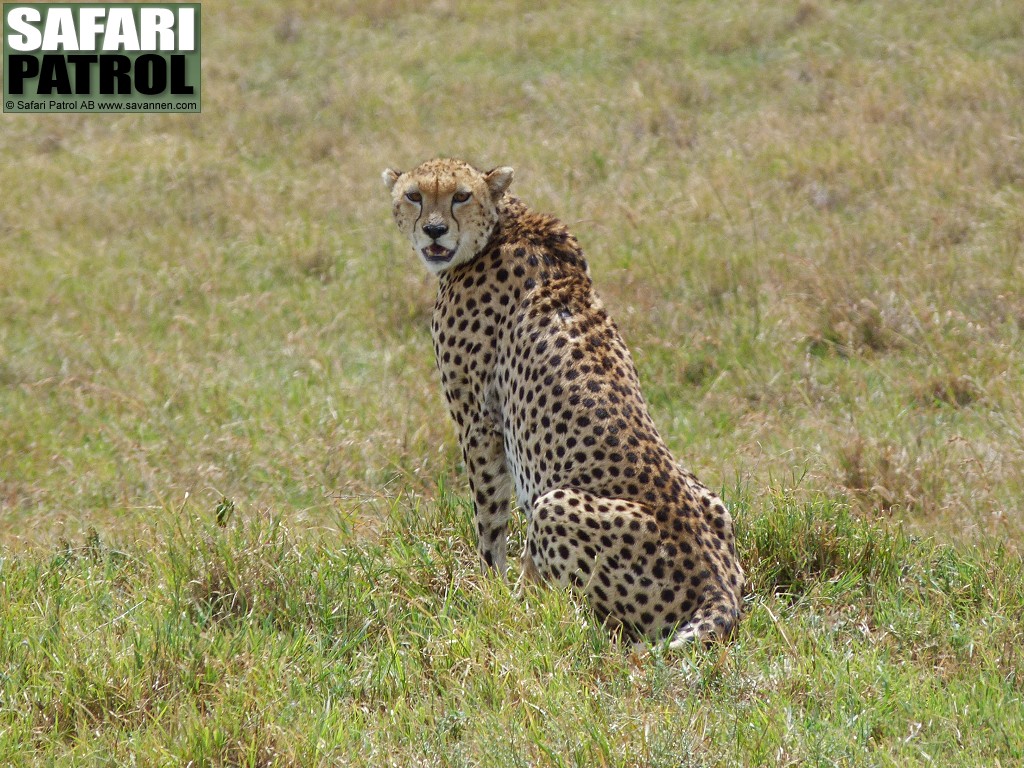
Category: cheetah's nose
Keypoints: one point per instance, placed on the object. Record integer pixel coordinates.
(435, 230)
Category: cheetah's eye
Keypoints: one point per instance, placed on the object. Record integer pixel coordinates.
(414, 197)
(461, 197)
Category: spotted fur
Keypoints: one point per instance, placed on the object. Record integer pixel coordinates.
(547, 406)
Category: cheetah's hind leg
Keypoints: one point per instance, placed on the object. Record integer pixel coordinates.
(631, 570)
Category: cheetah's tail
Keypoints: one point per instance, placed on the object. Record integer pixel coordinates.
(709, 624)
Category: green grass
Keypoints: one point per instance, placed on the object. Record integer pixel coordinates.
(242, 645)
(807, 219)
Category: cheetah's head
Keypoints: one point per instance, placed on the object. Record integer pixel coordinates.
(447, 209)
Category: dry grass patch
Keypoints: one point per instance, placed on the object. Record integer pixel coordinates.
(957, 391)
(888, 479)
(850, 327)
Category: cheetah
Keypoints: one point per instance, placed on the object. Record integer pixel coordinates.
(547, 407)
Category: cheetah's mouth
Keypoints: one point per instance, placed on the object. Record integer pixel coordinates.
(435, 252)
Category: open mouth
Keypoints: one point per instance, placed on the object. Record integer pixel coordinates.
(437, 252)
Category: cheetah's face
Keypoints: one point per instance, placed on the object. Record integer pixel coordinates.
(447, 209)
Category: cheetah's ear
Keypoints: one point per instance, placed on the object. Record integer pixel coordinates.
(498, 180)
(390, 176)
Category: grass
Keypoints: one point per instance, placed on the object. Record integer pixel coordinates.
(240, 645)
(806, 217)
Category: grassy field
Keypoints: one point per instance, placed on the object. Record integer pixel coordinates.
(808, 221)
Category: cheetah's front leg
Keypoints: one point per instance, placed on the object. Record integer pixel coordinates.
(490, 482)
